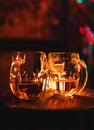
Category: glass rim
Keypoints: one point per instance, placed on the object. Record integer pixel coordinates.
(26, 51)
(64, 52)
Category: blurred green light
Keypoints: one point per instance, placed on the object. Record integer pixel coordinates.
(79, 1)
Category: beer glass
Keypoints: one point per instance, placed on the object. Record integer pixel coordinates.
(67, 73)
(28, 74)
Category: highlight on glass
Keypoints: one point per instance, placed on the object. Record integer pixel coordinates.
(28, 74)
(67, 73)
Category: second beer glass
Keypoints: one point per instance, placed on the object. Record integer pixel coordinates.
(67, 73)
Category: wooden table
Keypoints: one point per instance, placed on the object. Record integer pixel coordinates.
(84, 100)
(49, 113)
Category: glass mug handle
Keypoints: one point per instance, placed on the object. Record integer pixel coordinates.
(83, 76)
(17, 60)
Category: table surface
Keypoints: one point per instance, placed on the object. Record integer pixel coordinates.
(84, 100)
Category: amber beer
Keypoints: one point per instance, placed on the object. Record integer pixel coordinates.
(27, 90)
(64, 86)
